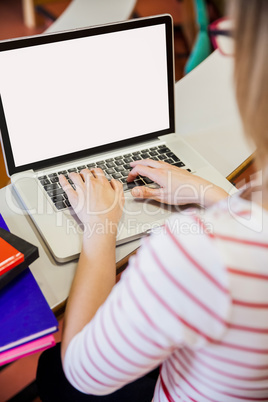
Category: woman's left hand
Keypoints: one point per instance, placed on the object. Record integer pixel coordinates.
(177, 186)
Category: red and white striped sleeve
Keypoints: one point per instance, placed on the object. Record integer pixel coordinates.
(173, 293)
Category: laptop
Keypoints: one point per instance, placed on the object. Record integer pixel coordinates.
(100, 96)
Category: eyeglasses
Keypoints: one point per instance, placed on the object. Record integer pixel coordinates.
(221, 34)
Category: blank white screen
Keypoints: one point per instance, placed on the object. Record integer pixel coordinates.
(73, 95)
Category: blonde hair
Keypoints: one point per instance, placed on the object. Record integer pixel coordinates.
(251, 69)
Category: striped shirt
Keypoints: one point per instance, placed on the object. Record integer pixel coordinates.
(195, 301)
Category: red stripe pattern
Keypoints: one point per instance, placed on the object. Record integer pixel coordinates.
(194, 301)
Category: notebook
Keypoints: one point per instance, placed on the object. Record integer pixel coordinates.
(16, 255)
(38, 345)
(100, 96)
(27, 321)
(25, 313)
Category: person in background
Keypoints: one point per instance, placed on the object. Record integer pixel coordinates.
(188, 319)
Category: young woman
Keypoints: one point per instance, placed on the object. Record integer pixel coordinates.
(194, 300)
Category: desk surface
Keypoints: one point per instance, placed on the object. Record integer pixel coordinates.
(207, 114)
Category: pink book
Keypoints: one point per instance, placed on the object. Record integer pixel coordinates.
(27, 349)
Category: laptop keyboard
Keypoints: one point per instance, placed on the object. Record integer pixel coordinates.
(117, 168)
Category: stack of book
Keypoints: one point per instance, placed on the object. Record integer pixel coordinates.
(26, 320)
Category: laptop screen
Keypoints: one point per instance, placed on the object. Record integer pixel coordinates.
(70, 94)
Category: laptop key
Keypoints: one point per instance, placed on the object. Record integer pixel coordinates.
(54, 193)
(127, 160)
(91, 165)
(163, 150)
(139, 182)
(81, 167)
(129, 186)
(42, 177)
(178, 164)
(137, 158)
(119, 168)
(102, 166)
(52, 175)
(147, 180)
(127, 166)
(145, 156)
(44, 182)
(161, 157)
(119, 162)
(57, 198)
(64, 172)
(51, 186)
(170, 154)
(175, 158)
(125, 173)
(54, 179)
(72, 170)
(110, 164)
(169, 160)
(110, 170)
(100, 162)
(116, 175)
(132, 184)
(60, 205)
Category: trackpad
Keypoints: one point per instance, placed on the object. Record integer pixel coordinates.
(140, 216)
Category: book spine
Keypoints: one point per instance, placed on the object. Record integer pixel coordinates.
(29, 348)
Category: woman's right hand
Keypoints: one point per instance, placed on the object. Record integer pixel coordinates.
(177, 185)
(97, 202)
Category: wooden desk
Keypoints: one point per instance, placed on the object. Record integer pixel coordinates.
(4, 179)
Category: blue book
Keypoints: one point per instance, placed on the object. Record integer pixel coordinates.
(24, 312)
(3, 224)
